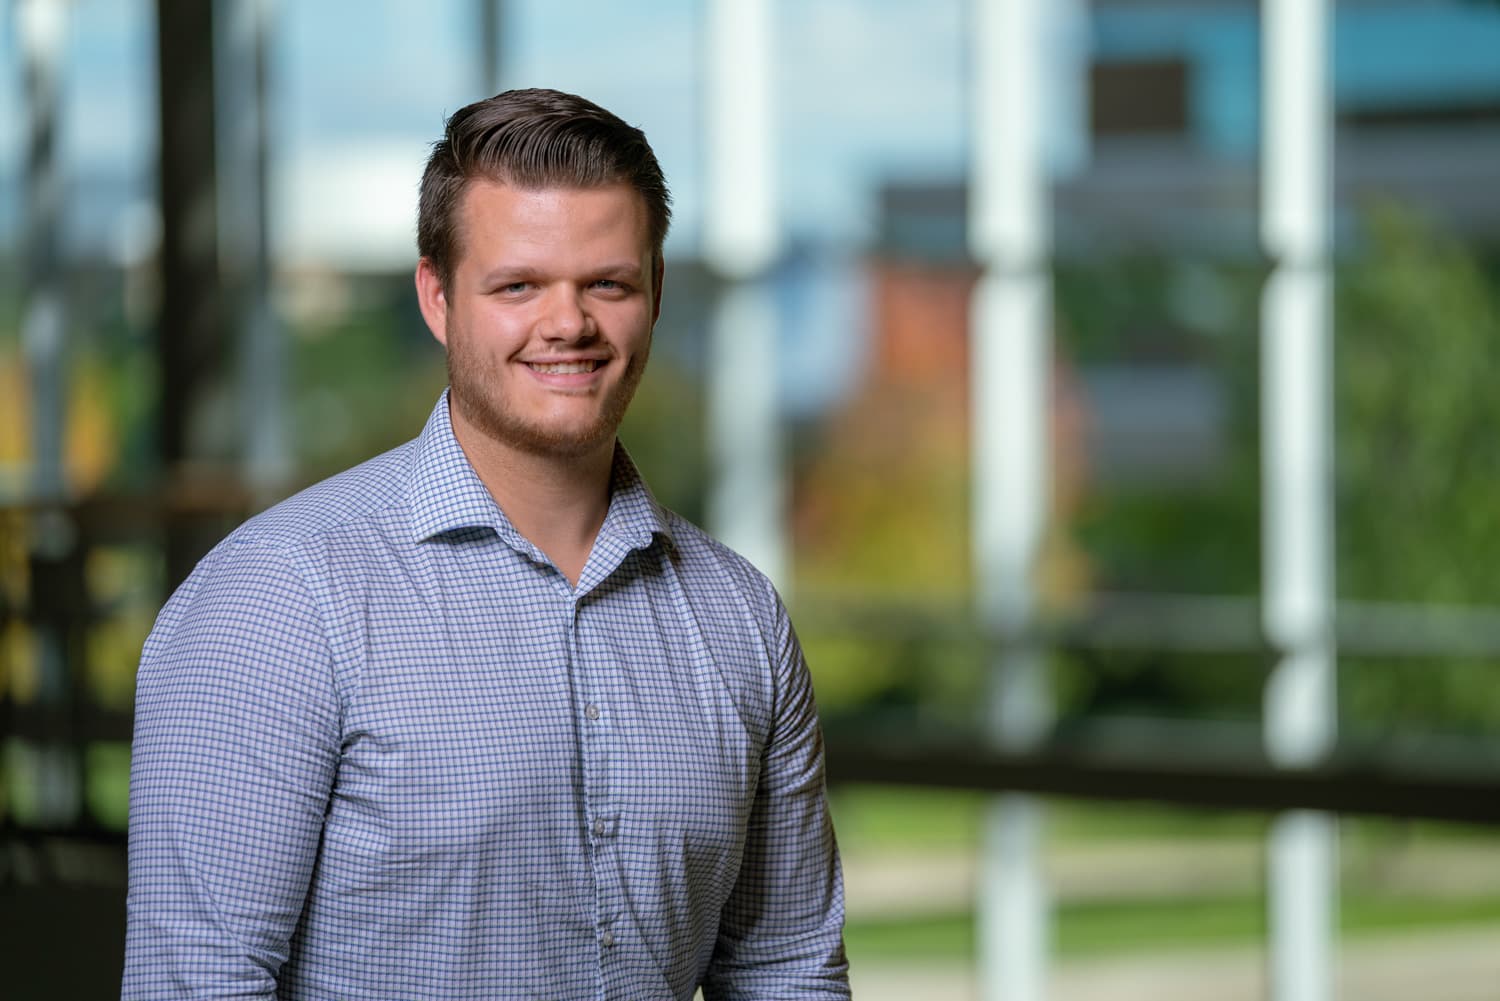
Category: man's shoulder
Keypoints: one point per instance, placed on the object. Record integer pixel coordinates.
(263, 572)
(340, 502)
(711, 563)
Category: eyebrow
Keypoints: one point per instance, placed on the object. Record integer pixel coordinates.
(505, 274)
(625, 269)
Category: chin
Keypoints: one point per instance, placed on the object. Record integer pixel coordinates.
(562, 444)
(559, 440)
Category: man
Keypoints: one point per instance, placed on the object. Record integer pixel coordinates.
(477, 718)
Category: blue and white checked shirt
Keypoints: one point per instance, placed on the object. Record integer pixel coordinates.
(384, 750)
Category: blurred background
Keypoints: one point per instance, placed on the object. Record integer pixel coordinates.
(1109, 386)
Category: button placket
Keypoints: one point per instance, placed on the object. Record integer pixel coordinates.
(603, 826)
(596, 737)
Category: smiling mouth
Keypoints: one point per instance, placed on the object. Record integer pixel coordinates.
(565, 367)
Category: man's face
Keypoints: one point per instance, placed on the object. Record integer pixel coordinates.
(548, 316)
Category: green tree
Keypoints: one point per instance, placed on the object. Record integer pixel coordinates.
(1418, 466)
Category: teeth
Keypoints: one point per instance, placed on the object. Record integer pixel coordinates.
(565, 367)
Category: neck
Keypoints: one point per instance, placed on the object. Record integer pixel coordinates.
(557, 502)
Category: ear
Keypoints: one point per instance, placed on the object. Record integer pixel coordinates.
(432, 300)
(659, 271)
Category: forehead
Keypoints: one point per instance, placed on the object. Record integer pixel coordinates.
(497, 216)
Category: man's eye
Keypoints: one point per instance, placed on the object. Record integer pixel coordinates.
(515, 287)
(608, 284)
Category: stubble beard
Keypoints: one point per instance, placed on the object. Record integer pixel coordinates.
(474, 381)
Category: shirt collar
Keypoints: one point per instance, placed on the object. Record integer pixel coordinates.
(634, 517)
(444, 493)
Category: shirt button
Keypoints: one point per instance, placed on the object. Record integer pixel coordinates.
(591, 711)
(608, 939)
(600, 828)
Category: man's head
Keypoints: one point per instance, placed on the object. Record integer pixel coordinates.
(541, 226)
(532, 139)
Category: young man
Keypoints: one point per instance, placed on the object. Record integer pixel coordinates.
(478, 718)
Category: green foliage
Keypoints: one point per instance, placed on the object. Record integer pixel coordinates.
(1201, 542)
(1417, 472)
(1199, 538)
(893, 665)
(362, 383)
(1418, 468)
(660, 430)
(107, 783)
(1418, 409)
(883, 498)
(1153, 684)
(1196, 537)
(1114, 309)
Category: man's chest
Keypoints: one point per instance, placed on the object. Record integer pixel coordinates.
(501, 720)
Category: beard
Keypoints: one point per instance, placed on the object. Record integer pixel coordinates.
(475, 388)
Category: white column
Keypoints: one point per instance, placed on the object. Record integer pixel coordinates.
(1297, 501)
(1010, 336)
(741, 239)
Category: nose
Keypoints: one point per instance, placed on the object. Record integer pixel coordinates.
(564, 316)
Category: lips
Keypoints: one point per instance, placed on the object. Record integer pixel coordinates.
(580, 367)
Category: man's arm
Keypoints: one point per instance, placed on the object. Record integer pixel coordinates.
(236, 745)
(781, 932)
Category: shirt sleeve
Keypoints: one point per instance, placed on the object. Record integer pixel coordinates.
(781, 931)
(235, 751)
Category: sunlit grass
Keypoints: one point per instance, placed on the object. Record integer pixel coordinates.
(880, 818)
(1383, 887)
(1089, 929)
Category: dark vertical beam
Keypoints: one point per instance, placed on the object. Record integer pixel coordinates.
(192, 335)
(491, 13)
(56, 759)
(42, 29)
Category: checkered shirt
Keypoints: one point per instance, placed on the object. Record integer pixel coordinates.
(384, 750)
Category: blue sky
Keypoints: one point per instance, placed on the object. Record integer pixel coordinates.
(865, 91)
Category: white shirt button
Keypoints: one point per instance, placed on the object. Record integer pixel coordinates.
(591, 711)
(608, 938)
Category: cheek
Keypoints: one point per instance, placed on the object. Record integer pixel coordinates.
(492, 330)
(636, 325)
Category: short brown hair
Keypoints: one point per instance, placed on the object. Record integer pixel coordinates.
(532, 139)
